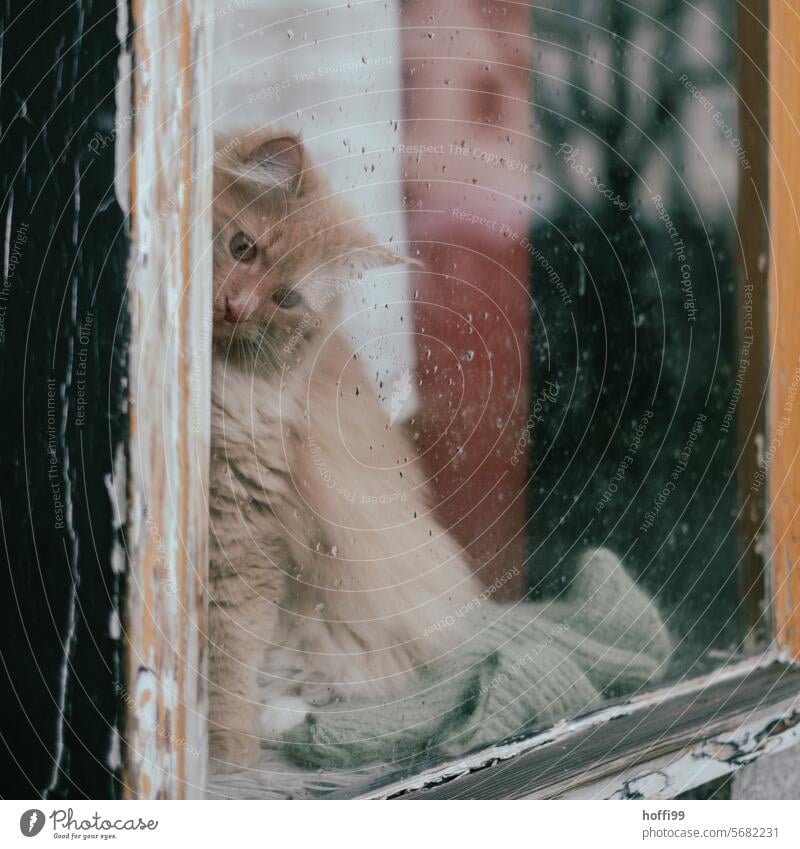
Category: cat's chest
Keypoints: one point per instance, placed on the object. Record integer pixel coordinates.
(253, 430)
(251, 410)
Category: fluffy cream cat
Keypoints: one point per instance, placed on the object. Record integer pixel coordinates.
(329, 573)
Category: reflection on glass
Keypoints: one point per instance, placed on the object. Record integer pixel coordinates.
(554, 383)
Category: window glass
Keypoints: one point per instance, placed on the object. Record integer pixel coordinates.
(510, 489)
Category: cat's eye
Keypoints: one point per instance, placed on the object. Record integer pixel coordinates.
(286, 298)
(242, 248)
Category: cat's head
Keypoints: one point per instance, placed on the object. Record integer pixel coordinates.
(285, 248)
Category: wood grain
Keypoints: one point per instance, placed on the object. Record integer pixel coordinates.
(781, 452)
(170, 362)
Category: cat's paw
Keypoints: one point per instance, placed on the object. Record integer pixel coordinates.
(281, 715)
(232, 750)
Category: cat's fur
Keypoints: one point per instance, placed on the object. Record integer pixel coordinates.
(329, 573)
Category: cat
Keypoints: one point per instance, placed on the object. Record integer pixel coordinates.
(329, 574)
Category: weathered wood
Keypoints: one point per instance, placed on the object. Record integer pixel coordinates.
(780, 461)
(636, 749)
(170, 361)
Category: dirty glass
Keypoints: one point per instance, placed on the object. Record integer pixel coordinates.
(571, 358)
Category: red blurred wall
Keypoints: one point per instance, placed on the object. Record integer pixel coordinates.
(467, 133)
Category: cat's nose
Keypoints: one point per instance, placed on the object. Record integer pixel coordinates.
(235, 311)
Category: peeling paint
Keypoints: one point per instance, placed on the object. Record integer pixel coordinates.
(563, 730)
(710, 759)
(123, 100)
(114, 759)
(145, 744)
(171, 294)
(7, 237)
(114, 626)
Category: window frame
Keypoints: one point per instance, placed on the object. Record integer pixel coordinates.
(718, 721)
(170, 297)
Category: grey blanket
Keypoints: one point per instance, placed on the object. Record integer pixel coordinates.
(525, 664)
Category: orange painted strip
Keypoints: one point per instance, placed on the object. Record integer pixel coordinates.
(782, 448)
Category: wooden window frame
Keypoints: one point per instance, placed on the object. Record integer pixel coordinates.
(170, 399)
(652, 746)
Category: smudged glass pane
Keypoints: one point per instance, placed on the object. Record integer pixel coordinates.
(515, 477)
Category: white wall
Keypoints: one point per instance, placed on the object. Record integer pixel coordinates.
(333, 74)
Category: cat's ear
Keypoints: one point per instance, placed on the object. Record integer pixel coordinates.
(282, 159)
(377, 256)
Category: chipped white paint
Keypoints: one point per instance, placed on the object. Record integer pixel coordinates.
(146, 714)
(667, 777)
(123, 100)
(169, 444)
(114, 625)
(565, 728)
(114, 759)
(7, 238)
(115, 484)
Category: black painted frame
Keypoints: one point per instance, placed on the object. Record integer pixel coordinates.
(63, 370)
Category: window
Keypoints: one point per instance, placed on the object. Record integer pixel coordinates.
(588, 358)
(581, 361)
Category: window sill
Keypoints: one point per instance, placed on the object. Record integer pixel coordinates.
(654, 746)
